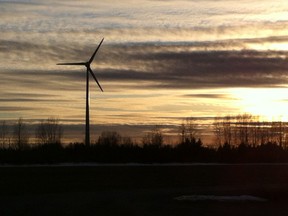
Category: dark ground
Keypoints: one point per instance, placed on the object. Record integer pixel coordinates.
(141, 190)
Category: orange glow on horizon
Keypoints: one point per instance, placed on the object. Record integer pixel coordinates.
(270, 104)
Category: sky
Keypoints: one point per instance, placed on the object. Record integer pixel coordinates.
(161, 62)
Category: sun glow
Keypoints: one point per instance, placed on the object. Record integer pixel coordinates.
(270, 104)
(269, 46)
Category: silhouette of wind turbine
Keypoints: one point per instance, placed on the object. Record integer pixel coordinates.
(89, 70)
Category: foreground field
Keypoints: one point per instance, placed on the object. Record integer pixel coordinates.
(141, 190)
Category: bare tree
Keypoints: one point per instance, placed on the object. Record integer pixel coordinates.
(21, 135)
(157, 137)
(3, 134)
(40, 133)
(227, 130)
(278, 129)
(49, 131)
(109, 138)
(249, 130)
(146, 139)
(285, 134)
(189, 131)
(182, 131)
(192, 129)
(153, 138)
(54, 130)
(218, 130)
(255, 129)
(243, 123)
(127, 141)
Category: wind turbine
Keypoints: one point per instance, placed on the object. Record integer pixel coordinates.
(89, 70)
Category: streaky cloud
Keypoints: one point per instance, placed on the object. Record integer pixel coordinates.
(209, 96)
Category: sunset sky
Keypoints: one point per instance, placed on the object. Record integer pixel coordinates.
(161, 61)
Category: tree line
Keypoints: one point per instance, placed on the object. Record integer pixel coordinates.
(240, 139)
(18, 135)
(249, 130)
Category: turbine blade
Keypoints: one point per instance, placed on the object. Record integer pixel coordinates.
(74, 63)
(93, 75)
(92, 57)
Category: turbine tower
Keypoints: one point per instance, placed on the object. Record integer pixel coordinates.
(89, 71)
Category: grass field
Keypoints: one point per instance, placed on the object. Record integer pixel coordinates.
(141, 190)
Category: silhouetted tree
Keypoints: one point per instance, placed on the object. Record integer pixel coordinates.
(3, 134)
(182, 131)
(218, 130)
(127, 141)
(153, 138)
(157, 137)
(189, 130)
(49, 131)
(279, 130)
(247, 129)
(21, 135)
(255, 131)
(243, 123)
(109, 138)
(227, 129)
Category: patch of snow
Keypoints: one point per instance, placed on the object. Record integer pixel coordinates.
(240, 198)
(138, 164)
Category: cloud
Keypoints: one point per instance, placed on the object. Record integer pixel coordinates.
(161, 66)
(193, 70)
(209, 96)
(28, 99)
(15, 108)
